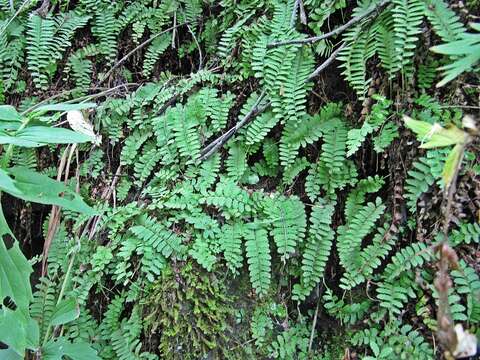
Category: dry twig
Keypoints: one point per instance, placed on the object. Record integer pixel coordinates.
(256, 109)
(373, 11)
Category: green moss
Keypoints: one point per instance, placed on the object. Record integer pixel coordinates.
(187, 311)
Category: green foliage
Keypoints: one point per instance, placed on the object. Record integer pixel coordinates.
(158, 236)
(288, 222)
(393, 342)
(231, 241)
(317, 249)
(446, 23)
(258, 257)
(154, 51)
(372, 123)
(295, 209)
(398, 282)
(423, 174)
(466, 234)
(346, 313)
(351, 234)
(463, 52)
(193, 333)
(468, 284)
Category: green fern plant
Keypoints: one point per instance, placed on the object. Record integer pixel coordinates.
(47, 39)
(288, 223)
(158, 236)
(257, 250)
(317, 249)
(467, 51)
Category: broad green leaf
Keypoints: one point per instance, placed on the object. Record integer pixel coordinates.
(66, 107)
(451, 164)
(446, 137)
(18, 330)
(9, 354)
(35, 187)
(55, 350)
(9, 113)
(6, 183)
(67, 310)
(421, 128)
(9, 139)
(434, 135)
(9, 126)
(14, 270)
(51, 135)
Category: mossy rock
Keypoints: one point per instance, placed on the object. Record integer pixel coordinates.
(187, 314)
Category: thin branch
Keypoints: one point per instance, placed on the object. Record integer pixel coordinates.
(314, 324)
(303, 18)
(325, 64)
(373, 11)
(219, 142)
(256, 109)
(294, 13)
(4, 27)
(79, 99)
(200, 55)
(143, 44)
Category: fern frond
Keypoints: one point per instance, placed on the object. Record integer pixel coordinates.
(410, 257)
(407, 18)
(385, 40)
(208, 173)
(25, 157)
(270, 153)
(292, 171)
(132, 145)
(308, 131)
(295, 87)
(105, 29)
(466, 233)
(145, 164)
(467, 283)
(445, 22)
(334, 146)
(356, 197)
(236, 163)
(423, 174)
(317, 249)
(385, 137)
(158, 236)
(360, 47)
(230, 198)
(464, 53)
(40, 39)
(370, 259)
(186, 133)
(373, 121)
(350, 236)
(392, 296)
(258, 257)
(231, 242)
(346, 313)
(287, 216)
(66, 25)
(202, 253)
(427, 73)
(43, 304)
(153, 53)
